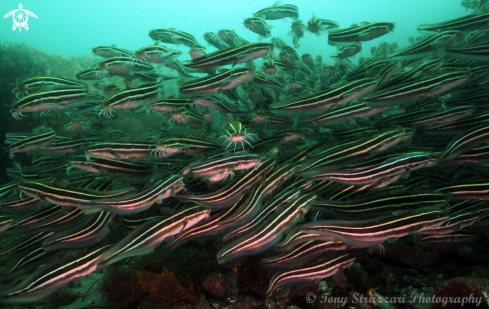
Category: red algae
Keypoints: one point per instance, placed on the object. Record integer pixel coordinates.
(450, 294)
(214, 285)
(167, 287)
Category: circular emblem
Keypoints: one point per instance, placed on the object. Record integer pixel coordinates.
(20, 18)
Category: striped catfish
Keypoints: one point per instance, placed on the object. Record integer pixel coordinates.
(477, 155)
(444, 238)
(383, 204)
(267, 234)
(56, 99)
(265, 212)
(415, 72)
(214, 40)
(316, 103)
(259, 26)
(93, 74)
(230, 193)
(347, 51)
(310, 273)
(372, 232)
(7, 189)
(31, 85)
(341, 114)
(368, 68)
(426, 118)
(362, 33)
(417, 89)
(465, 23)
(253, 204)
(67, 220)
(477, 37)
(320, 26)
(278, 11)
(28, 262)
(231, 55)
(456, 222)
(466, 141)
(168, 105)
(5, 223)
(52, 277)
(173, 36)
(228, 79)
(33, 142)
(124, 65)
(174, 145)
(425, 47)
(297, 31)
(466, 190)
(213, 226)
(388, 171)
(302, 254)
(157, 54)
(232, 162)
(326, 159)
(66, 196)
(120, 151)
(65, 147)
(479, 52)
(459, 126)
(136, 171)
(297, 237)
(36, 219)
(21, 245)
(84, 235)
(141, 201)
(111, 51)
(129, 98)
(151, 234)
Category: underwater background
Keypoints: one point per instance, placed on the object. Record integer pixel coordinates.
(101, 200)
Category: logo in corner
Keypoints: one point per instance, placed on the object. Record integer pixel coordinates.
(20, 17)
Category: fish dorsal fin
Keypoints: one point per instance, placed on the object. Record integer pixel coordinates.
(277, 3)
(113, 45)
(157, 43)
(363, 23)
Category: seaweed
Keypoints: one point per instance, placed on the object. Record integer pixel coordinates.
(167, 287)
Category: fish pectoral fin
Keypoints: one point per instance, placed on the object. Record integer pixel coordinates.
(224, 83)
(43, 200)
(115, 154)
(406, 174)
(317, 280)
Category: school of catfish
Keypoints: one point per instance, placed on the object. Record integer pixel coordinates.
(272, 150)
